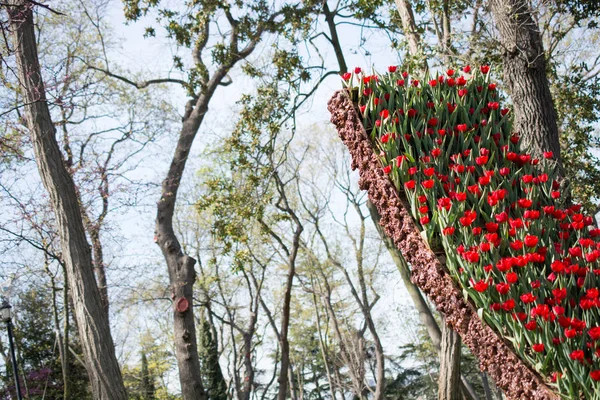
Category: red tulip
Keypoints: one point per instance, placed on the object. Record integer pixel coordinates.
(577, 355)
(528, 298)
(512, 277)
(480, 286)
(428, 184)
(502, 288)
(531, 325)
(448, 230)
(531, 241)
(594, 333)
(538, 347)
(508, 305)
(570, 333)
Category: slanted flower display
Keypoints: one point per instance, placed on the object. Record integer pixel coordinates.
(526, 259)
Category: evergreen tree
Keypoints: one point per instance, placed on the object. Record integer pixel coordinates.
(148, 388)
(215, 384)
(37, 352)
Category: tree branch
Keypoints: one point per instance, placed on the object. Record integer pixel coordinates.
(138, 85)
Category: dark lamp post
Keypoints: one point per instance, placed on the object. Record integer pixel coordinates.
(5, 316)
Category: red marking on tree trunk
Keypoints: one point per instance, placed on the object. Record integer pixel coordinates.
(182, 305)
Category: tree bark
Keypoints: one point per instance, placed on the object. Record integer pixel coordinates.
(446, 33)
(524, 65)
(339, 53)
(99, 267)
(180, 265)
(285, 317)
(321, 341)
(409, 27)
(182, 274)
(449, 379)
(94, 331)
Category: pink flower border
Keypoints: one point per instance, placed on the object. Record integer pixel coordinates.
(495, 356)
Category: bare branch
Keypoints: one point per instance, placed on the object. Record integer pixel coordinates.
(139, 85)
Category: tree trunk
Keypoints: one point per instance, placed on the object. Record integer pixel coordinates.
(182, 274)
(285, 321)
(409, 28)
(486, 386)
(321, 341)
(62, 338)
(94, 331)
(446, 33)
(99, 268)
(449, 379)
(66, 367)
(524, 65)
(335, 39)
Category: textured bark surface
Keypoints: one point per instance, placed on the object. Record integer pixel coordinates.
(524, 65)
(180, 265)
(286, 366)
(182, 274)
(92, 322)
(449, 365)
(495, 356)
(409, 27)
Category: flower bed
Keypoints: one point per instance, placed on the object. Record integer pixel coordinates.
(441, 159)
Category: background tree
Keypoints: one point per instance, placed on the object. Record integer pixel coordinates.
(93, 325)
(201, 84)
(113, 120)
(38, 355)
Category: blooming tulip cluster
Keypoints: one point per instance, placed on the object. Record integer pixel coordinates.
(528, 261)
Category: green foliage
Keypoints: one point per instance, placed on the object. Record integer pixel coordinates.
(582, 10)
(144, 381)
(578, 107)
(239, 189)
(38, 353)
(147, 382)
(192, 24)
(214, 382)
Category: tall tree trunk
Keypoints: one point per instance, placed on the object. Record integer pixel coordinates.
(99, 267)
(335, 39)
(409, 28)
(66, 368)
(182, 274)
(524, 65)
(180, 265)
(62, 338)
(446, 33)
(321, 341)
(449, 365)
(285, 317)
(366, 310)
(94, 331)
